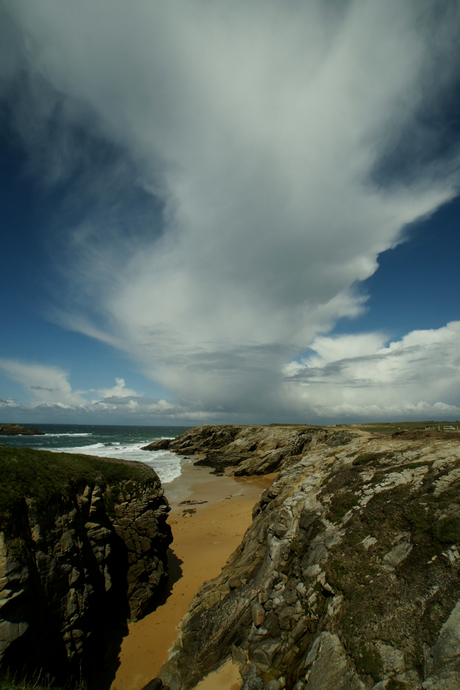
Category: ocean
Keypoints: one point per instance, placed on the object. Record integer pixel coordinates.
(124, 442)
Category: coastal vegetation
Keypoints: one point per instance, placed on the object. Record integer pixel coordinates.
(83, 548)
(46, 478)
(347, 577)
(12, 683)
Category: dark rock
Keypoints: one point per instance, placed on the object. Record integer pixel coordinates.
(272, 625)
(17, 430)
(220, 461)
(162, 444)
(252, 680)
(263, 464)
(155, 684)
(75, 567)
(191, 503)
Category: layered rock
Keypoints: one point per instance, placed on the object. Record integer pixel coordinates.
(347, 579)
(250, 450)
(82, 549)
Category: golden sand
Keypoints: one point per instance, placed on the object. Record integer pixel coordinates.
(203, 541)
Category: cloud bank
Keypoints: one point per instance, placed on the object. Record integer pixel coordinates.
(240, 166)
(361, 377)
(52, 394)
(340, 379)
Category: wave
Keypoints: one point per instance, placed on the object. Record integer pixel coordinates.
(82, 449)
(69, 435)
(166, 464)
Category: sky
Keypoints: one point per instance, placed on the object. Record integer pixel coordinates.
(229, 211)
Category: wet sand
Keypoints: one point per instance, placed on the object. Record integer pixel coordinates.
(203, 541)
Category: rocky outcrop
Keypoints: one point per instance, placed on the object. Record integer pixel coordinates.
(83, 546)
(250, 450)
(17, 430)
(347, 579)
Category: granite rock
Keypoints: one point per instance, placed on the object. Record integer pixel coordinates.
(347, 578)
(250, 450)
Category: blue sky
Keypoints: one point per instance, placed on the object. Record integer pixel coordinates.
(237, 212)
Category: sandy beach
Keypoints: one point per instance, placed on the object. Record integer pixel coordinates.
(203, 541)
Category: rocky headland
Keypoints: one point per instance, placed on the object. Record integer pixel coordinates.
(249, 450)
(83, 544)
(18, 430)
(347, 579)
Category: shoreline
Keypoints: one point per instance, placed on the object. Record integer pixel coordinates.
(203, 540)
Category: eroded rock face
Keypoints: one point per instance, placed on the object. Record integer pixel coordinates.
(249, 450)
(348, 577)
(73, 572)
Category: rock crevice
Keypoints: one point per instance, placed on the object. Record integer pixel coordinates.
(73, 570)
(346, 579)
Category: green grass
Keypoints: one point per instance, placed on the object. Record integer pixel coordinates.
(45, 478)
(371, 458)
(447, 530)
(376, 605)
(388, 428)
(341, 504)
(19, 685)
(8, 682)
(369, 663)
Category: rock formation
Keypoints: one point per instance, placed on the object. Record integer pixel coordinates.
(83, 546)
(347, 579)
(17, 430)
(249, 450)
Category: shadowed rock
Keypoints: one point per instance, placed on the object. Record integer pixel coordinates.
(83, 547)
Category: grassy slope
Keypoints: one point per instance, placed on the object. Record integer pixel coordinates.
(45, 477)
(12, 684)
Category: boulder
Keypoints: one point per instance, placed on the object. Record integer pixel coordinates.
(162, 444)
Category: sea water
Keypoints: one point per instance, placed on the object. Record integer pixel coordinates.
(124, 442)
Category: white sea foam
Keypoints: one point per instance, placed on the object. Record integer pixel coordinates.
(68, 435)
(167, 465)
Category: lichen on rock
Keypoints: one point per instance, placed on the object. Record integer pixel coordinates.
(348, 576)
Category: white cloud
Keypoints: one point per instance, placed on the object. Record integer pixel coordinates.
(343, 378)
(267, 132)
(52, 394)
(118, 391)
(47, 384)
(415, 377)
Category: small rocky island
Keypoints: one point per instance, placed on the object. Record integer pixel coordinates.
(83, 544)
(349, 576)
(17, 430)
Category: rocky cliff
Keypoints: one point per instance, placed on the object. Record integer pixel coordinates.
(83, 546)
(250, 450)
(348, 578)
